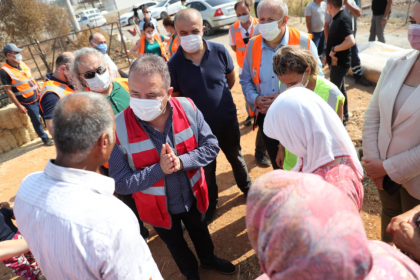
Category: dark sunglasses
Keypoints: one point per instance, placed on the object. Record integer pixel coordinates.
(91, 74)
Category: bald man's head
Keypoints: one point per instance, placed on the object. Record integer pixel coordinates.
(64, 59)
(188, 21)
(96, 38)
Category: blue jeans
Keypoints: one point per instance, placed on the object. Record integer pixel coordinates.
(33, 113)
(319, 40)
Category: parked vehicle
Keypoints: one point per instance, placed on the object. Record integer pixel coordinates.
(92, 21)
(128, 18)
(166, 8)
(215, 13)
(89, 12)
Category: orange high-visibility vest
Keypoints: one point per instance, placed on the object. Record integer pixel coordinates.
(173, 45)
(141, 44)
(22, 80)
(254, 54)
(138, 148)
(58, 88)
(236, 34)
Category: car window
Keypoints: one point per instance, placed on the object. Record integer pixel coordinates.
(161, 4)
(173, 1)
(200, 7)
(84, 18)
(150, 4)
(216, 2)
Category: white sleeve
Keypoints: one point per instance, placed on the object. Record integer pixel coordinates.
(231, 42)
(308, 11)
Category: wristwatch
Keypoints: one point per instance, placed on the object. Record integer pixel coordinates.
(332, 49)
(385, 18)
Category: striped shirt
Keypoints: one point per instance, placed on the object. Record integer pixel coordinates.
(77, 229)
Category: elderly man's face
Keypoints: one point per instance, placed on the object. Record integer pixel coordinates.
(269, 14)
(148, 87)
(88, 63)
(190, 26)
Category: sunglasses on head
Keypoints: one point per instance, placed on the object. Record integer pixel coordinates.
(91, 74)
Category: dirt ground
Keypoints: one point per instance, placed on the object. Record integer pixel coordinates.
(228, 230)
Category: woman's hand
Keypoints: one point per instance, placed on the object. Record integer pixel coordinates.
(374, 168)
(280, 157)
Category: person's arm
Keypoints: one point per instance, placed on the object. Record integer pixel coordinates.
(231, 77)
(247, 83)
(166, 39)
(13, 98)
(133, 51)
(48, 102)
(326, 30)
(232, 43)
(280, 156)
(348, 42)
(408, 217)
(128, 181)
(13, 248)
(354, 9)
(174, 81)
(308, 24)
(387, 11)
(340, 109)
(207, 150)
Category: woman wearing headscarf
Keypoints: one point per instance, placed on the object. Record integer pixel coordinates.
(310, 129)
(302, 227)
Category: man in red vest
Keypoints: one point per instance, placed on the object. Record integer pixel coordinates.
(162, 145)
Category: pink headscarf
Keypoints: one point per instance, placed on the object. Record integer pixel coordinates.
(302, 227)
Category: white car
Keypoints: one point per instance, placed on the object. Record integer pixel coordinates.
(128, 18)
(92, 21)
(88, 12)
(166, 8)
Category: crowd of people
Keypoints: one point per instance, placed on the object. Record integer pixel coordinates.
(141, 148)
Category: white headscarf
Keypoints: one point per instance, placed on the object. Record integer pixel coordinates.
(309, 128)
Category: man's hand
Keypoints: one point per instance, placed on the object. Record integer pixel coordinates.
(264, 102)
(383, 21)
(280, 157)
(324, 61)
(374, 168)
(169, 162)
(22, 109)
(332, 54)
(407, 239)
(408, 217)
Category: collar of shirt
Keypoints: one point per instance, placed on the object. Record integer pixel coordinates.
(151, 129)
(18, 67)
(249, 28)
(337, 15)
(284, 41)
(94, 181)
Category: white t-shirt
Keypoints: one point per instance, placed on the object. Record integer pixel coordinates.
(316, 12)
(152, 20)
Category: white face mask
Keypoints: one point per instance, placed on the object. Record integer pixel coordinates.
(148, 35)
(301, 83)
(244, 19)
(149, 14)
(99, 83)
(147, 109)
(270, 30)
(191, 43)
(18, 57)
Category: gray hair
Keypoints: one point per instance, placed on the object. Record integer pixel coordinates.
(151, 64)
(79, 121)
(274, 3)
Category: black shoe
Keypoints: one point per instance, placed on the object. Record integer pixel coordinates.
(245, 192)
(249, 121)
(263, 160)
(220, 265)
(48, 141)
(362, 81)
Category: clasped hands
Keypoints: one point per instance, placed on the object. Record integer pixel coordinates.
(169, 162)
(264, 102)
(375, 171)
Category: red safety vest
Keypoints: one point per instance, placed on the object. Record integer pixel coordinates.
(235, 32)
(141, 44)
(140, 152)
(254, 54)
(22, 80)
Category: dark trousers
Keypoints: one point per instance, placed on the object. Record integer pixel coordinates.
(271, 144)
(129, 201)
(260, 149)
(200, 236)
(356, 65)
(337, 77)
(33, 112)
(230, 144)
(319, 41)
(377, 29)
(255, 8)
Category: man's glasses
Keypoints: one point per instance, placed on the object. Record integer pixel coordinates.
(91, 74)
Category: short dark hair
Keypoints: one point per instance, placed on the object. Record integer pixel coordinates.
(148, 25)
(244, 2)
(144, 9)
(91, 38)
(62, 59)
(169, 21)
(336, 3)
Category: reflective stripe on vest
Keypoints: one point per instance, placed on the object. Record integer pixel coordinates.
(140, 152)
(254, 54)
(21, 79)
(236, 34)
(141, 44)
(60, 89)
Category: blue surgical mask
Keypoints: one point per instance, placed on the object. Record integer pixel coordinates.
(103, 47)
